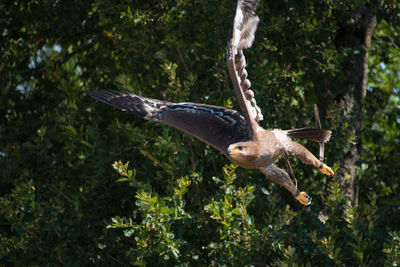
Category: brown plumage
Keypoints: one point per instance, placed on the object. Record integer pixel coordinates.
(241, 139)
(264, 146)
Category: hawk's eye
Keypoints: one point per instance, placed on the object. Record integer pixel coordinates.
(240, 148)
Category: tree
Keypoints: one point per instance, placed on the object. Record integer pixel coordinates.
(179, 202)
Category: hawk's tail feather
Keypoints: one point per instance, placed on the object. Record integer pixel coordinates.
(143, 107)
(313, 134)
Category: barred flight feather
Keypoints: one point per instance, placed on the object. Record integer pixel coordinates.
(216, 126)
(242, 140)
(242, 36)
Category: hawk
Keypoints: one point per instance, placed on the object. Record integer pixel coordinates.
(240, 138)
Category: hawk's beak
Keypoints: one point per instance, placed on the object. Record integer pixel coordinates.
(232, 151)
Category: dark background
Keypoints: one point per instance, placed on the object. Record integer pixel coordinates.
(63, 203)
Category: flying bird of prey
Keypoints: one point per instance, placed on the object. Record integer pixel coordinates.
(241, 139)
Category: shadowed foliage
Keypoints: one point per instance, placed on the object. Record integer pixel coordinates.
(69, 197)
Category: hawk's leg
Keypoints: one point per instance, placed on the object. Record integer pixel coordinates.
(299, 151)
(282, 178)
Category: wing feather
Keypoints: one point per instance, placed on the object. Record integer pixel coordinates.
(241, 37)
(216, 126)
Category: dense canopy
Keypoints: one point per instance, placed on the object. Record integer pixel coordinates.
(240, 139)
(69, 197)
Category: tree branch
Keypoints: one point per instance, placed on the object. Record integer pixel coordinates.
(41, 68)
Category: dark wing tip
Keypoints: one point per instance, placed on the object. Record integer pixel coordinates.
(103, 96)
(248, 6)
(143, 107)
(245, 22)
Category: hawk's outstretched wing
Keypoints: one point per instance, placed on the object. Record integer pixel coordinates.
(216, 126)
(241, 37)
(242, 140)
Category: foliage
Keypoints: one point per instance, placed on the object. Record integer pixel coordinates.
(68, 195)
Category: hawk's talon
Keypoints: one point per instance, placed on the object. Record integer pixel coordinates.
(304, 198)
(326, 170)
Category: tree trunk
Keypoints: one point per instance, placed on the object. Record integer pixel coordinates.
(356, 36)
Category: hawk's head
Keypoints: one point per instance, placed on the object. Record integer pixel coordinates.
(244, 154)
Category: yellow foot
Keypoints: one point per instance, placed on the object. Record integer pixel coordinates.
(304, 198)
(326, 170)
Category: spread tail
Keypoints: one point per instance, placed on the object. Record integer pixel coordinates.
(313, 134)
